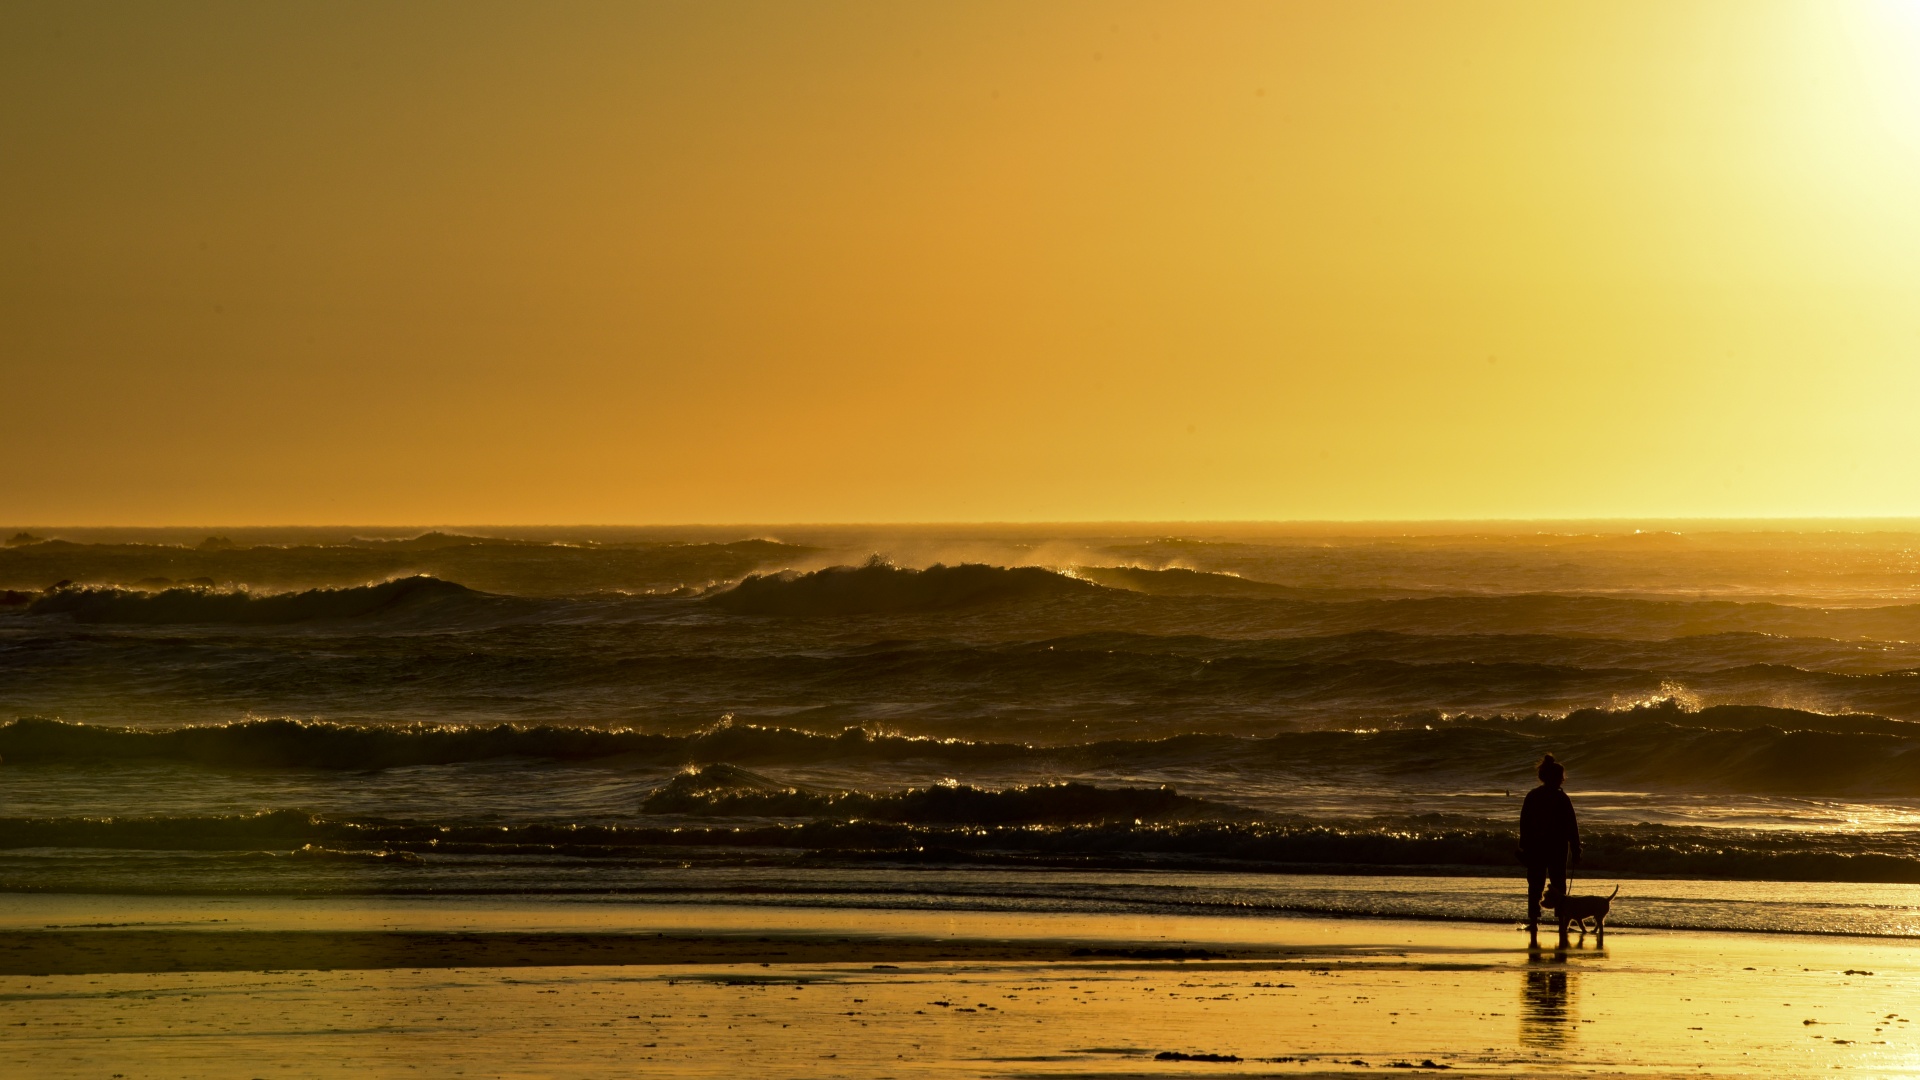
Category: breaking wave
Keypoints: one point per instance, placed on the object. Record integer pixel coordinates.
(1660, 747)
(882, 588)
(726, 790)
(1191, 600)
(1432, 843)
(553, 567)
(200, 605)
(1178, 581)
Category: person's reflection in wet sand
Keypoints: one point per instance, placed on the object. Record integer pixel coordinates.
(1546, 1003)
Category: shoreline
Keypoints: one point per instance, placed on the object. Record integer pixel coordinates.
(109, 933)
(1787, 909)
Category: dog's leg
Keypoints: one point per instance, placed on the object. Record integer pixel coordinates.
(1600, 931)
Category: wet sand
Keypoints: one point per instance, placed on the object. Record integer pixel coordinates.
(503, 989)
(91, 952)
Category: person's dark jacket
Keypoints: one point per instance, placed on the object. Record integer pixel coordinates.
(1547, 826)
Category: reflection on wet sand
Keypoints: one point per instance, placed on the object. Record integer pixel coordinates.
(739, 992)
(1547, 1019)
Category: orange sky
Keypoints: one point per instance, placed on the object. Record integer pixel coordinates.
(624, 262)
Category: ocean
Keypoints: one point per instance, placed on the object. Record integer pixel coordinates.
(1193, 719)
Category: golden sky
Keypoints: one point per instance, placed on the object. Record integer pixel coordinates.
(725, 261)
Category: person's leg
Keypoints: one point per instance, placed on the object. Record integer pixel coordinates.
(1557, 874)
(1536, 881)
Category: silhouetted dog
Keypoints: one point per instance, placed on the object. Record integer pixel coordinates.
(1578, 910)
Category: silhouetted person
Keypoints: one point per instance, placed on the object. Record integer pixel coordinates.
(1548, 834)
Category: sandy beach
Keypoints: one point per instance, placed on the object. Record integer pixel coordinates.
(1121, 539)
(495, 988)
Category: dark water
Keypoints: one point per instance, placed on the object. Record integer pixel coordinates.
(608, 710)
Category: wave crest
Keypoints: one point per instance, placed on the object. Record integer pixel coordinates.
(879, 587)
(725, 791)
(1180, 581)
(1745, 749)
(92, 604)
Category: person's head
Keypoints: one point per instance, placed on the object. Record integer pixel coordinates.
(1551, 771)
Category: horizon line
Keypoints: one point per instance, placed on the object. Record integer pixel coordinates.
(1033, 523)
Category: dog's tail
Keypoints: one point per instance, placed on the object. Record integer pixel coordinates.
(1614, 893)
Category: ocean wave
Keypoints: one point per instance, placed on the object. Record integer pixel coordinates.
(1671, 711)
(518, 567)
(1362, 847)
(1572, 614)
(1179, 581)
(325, 745)
(230, 606)
(1180, 600)
(1658, 747)
(1433, 844)
(1181, 594)
(678, 665)
(879, 587)
(438, 541)
(729, 791)
(381, 855)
